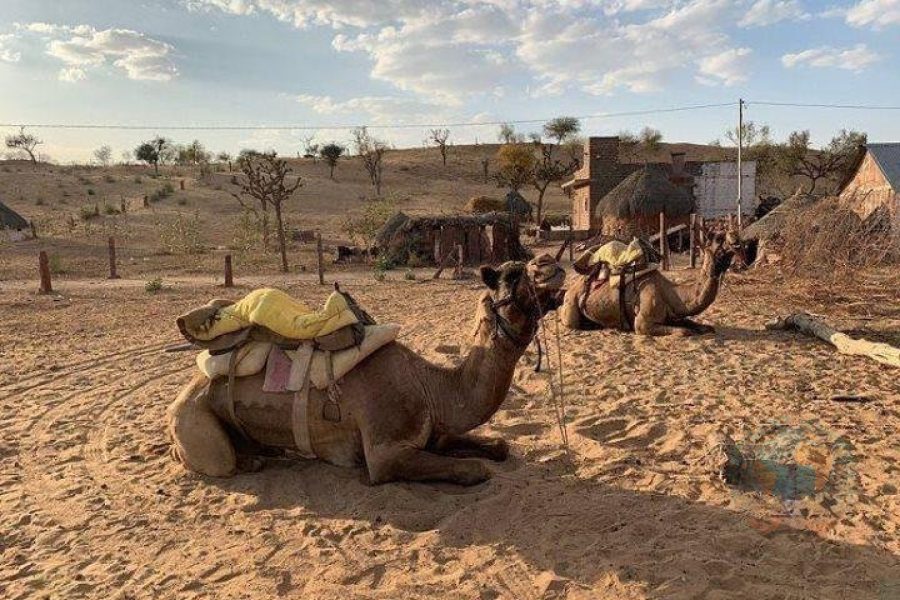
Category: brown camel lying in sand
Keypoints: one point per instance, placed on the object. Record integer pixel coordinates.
(653, 305)
(402, 417)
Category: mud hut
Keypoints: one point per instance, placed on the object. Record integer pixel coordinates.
(632, 208)
(12, 225)
(518, 206)
(488, 238)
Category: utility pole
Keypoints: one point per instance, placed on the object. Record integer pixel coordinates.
(740, 167)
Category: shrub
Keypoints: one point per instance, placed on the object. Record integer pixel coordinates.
(384, 263)
(138, 180)
(91, 192)
(379, 275)
(153, 285)
(39, 202)
(86, 213)
(110, 209)
(485, 204)
(409, 275)
(182, 236)
(109, 178)
(56, 265)
(167, 189)
(182, 201)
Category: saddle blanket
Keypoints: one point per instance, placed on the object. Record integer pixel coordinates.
(284, 369)
(270, 308)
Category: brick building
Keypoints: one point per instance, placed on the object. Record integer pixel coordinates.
(875, 180)
(713, 185)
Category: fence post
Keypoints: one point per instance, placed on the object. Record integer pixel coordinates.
(44, 265)
(458, 271)
(181, 184)
(571, 240)
(229, 275)
(663, 242)
(112, 258)
(693, 240)
(320, 261)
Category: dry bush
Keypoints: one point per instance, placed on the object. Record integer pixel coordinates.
(485, 204)
(184, 235)
(828, 240)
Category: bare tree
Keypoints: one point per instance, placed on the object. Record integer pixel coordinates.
(548, 169)
(372, 151)
(310, 150)
(439, 137)
(508, 135)
(830, 162)
(265, 182)
(24, 142)
(103, 155)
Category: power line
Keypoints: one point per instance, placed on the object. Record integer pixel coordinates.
(349, 127)
(588, 117)
(841, 106)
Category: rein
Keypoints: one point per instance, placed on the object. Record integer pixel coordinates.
(504, 327)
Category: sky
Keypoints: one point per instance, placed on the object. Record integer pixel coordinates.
(325, 64)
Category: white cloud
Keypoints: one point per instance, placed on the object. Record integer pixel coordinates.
(448, 50)
(874, 13)
(856, 58)
(72, 75)
(82, 47)
(769, 12)
(7, 53)
(381, 109)
(728, 68)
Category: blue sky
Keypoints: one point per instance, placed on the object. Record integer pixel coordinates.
(320, 63)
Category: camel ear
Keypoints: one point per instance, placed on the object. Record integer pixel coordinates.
(490, 276)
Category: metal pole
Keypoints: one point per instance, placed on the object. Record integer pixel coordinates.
(740, 162)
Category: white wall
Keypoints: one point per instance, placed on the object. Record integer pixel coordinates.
(716, 189)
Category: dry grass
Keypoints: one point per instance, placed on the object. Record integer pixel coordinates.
(829, 241)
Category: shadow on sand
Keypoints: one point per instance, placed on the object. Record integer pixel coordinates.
(585, 531)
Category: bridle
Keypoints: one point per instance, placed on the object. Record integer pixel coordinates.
(503, 328)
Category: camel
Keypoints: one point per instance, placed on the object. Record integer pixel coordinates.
(403, 417)
(653, 305)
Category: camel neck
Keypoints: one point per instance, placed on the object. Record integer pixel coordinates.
(703, 293)
(472, 392)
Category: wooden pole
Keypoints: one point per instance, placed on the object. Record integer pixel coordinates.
(181, 184)
(229, 275)
(571, 241)
(44, 265)
(458, 271)
(663, 241)
(693, 240)
(320, 261)
(112, 258)
(883, 353)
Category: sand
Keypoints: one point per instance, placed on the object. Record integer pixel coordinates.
(92, 506)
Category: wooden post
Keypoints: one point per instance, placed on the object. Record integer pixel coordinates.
(181, 184)
(693, 240)
(320, 261)
(229, 275)
(571, 241)
(112, 258)
(44, 265)
(663, 241)
(458, 271)
(146, 202)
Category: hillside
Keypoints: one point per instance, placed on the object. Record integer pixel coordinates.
(61, 199)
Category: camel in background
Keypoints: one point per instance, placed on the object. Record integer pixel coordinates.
(651, 304)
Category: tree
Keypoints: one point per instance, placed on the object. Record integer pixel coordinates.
(548, 169)
(224, 157)
(508, 134)
(372, 151)
(562, 128)
(24, 142)
(154, 152)
(192, 154)
(753, 134)
(310, 150)
(651, 139)
(331, 154)
(364, 227)
(515, 166)
(831, 162)
(633, 146)
(265, 182)
(103, 155)
(439, 138)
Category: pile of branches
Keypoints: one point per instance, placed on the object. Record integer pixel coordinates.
(829, 240)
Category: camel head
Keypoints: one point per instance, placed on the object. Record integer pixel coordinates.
(521, 293)
(718, 249)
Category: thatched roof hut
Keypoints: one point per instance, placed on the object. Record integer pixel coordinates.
(633, 206)
(486, 238)
(10, 219)
(517, 205)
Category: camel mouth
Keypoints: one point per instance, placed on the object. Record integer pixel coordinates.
(546, 273)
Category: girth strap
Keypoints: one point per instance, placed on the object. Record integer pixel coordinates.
(300, 410)
(229, 394)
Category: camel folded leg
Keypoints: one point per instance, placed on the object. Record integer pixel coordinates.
(695, 327)
(411, 464)
(200, 442)
(647, 327)
(492, 448)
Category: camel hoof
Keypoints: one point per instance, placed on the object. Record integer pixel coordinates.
(496, 450)
(250, 464)
(473, 473)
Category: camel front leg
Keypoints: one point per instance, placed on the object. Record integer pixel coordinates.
(492, 448)
(648, 327)
(412, 464)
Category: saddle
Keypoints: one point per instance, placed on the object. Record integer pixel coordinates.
(242, 338)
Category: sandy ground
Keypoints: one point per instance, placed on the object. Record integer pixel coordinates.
(91, 505)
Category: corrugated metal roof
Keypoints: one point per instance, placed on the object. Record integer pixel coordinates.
(888, 158)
